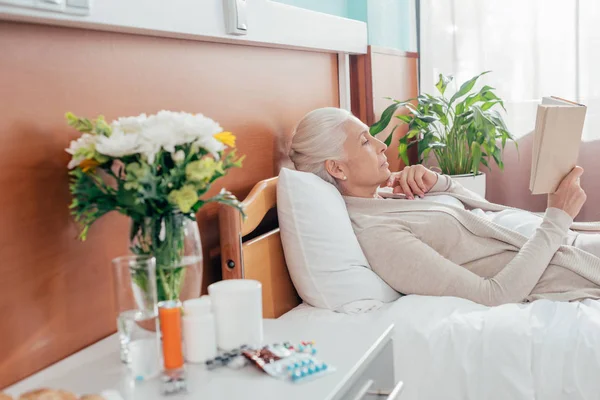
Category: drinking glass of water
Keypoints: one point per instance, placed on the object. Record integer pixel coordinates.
(137, 314)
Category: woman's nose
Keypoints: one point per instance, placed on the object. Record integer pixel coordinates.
(383, 146)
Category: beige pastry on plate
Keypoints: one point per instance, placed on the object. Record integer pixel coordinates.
(4, 396)
(90, 397)
(48, 394)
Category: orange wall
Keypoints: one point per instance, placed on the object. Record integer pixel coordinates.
(55, 292)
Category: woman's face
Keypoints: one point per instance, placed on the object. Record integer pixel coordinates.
(365, 165)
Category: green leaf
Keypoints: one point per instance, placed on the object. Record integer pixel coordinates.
(135, 227)
(487, 94)
(424, 100)
(423, 145)
(466, 87)
(388, 141)
(484, 94)
(414, 110)
(482, 123)
(419, 124)
(476, 153)
(496, 154)
(489, 104)
(490, 96)
(421, 116)
(407, 119)
(425, 154)
(198, 206)
(386, 117)
(227, 198)
(401, 102)
(403, 151)
(412, 133)
(428, 118)
(439, 110)
(496, 117)
(443, 82)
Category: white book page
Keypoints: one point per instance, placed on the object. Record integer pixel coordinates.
(553, 101)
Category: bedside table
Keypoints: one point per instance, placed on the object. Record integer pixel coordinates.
(362, 356)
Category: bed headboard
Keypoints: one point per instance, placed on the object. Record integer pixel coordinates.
(261, 257)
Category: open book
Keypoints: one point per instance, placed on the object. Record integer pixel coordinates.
(556, 140)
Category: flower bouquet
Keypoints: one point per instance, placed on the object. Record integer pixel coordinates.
(153, 169)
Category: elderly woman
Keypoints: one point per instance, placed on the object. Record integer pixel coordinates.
(434, 237)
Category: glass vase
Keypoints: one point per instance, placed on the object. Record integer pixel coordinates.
(174, 241)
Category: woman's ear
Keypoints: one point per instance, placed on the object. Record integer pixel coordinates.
(335, 169)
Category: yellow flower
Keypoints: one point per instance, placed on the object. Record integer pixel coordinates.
(88, 165)
(202, 170)
(184, 198)
(135, 175)
(137, 170)
(227, 138)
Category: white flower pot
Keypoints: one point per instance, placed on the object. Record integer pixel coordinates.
(475, 183)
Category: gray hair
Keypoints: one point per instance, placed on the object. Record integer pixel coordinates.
(318, 137)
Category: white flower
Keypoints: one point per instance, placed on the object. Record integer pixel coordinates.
(212, 145)
(129, 125)
(200, 130)
(148, 135)
(178, 156)
(163, 231)
(118, 144)
(168, 129)
(81, 149)
(198, 126)
(75, 161)
(163, 130)
(148, 149)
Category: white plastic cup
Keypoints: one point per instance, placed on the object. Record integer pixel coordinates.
(237, 306)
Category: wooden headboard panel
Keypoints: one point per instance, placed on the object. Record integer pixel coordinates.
(260, 258)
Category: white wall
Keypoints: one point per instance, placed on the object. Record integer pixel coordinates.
(269, 23)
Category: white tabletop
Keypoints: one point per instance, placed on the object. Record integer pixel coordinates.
(345, 346)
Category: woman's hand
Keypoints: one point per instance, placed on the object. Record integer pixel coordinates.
(569, 196)
(413, 180)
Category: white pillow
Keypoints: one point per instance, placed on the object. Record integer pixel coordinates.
(325, 261)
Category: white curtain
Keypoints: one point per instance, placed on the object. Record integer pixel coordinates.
(535, 48)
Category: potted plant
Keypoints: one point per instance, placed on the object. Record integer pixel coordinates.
(153, 169)
(463, 131)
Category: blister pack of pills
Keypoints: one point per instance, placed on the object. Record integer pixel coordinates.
(289, 363)
(231, 359)
(298, 367)
(281, 361)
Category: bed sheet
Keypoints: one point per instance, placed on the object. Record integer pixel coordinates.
(452, 348)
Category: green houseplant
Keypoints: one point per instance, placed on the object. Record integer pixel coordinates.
(463, 131)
